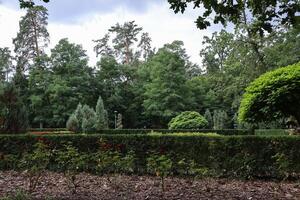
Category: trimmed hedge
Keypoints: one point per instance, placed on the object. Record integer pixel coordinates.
(146, 131)
(273, 132)
(234, 156)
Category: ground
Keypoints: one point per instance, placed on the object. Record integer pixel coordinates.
(53, 186)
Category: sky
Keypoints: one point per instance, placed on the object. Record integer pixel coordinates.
(83, 21)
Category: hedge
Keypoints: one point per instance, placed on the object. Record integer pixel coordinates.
(229, 156)
(145, 131)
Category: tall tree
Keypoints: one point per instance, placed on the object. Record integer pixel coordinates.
(145, 46)
(32, 37)
(70, 82)
(5, 63)
(166, 94)
(125, 37)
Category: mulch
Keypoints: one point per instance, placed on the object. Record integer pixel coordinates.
(54, 186)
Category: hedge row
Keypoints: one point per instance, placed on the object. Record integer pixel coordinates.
(234, 156)
(146, 131)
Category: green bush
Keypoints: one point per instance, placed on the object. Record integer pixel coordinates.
(273, 95)
(188, 120)
(234, 156)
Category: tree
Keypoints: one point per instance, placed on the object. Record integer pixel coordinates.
(32, 37)
(220, 120)
(101, 115)
(39, 98)
(216, 51)
(102, 47)
(188, 120)
(5, 63)
(125, 37)
(209, 118)
(89, 119)
(71, 81)
(166, 93)
(264, 14)
(14, 117)
(145, 46)
(267, 97)
(29, 3)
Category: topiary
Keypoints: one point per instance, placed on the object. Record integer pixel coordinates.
(188, 120)
(273, 95)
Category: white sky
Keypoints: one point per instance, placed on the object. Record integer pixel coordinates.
(158, 20)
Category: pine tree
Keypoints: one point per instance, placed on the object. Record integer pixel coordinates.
(145, 46)
(32, 37)
(220, 119)
(73, 124)
(5, 63)
(100, 115)
(209, 118)
(126, 36)
(88, 119)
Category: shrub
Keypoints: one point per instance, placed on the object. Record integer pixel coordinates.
(73, 124)
(188, 120)
(273, 95)
(13, 113)
(35, 164)
(228, 156)
(70, 162)
(161, 166)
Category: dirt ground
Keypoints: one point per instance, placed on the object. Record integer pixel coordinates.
(54, 186)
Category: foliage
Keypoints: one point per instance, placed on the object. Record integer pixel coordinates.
(32, 37)
(266, 98)
(73, 124)
(209, 118)
(109, 162)
(70, 162)
(14, 118)
(161, 166)
(188, 120)
(165, 88)
(35, 164)
(220, 119)
(19, 195)
(263, 13)
(101, 115)
(227, 156)
(88, 119)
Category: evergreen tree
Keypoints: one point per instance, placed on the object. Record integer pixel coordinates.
(125, 37)
(89, 119)
(145, 46)
(14, 116)
(5, 64)
(209, 118)
(32, 37)
(101, 115)
(220, 119)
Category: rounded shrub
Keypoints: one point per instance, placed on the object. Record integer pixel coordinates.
(273, 95)
(188, 120)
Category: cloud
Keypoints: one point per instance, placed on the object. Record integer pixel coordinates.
(157, 19)
(69, 11)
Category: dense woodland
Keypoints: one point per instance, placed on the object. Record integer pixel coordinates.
(145, 86)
